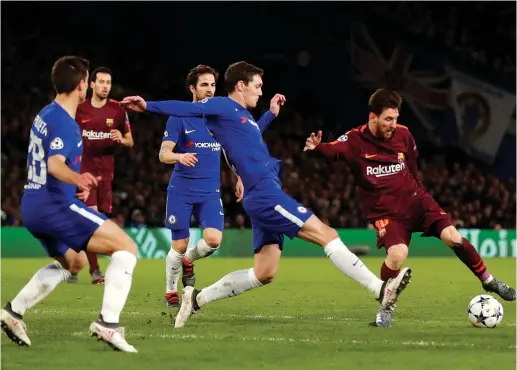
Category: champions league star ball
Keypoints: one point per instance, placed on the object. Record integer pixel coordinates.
(485, 311)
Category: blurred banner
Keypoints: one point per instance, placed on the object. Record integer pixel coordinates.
(456, 108)
(155, 243)
(483, 114)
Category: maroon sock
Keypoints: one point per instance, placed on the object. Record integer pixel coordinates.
(471, 258)
(387, 273)
(92, 259)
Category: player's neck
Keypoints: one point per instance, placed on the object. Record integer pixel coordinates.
(239, 99)
(373, 128)
(98, 102)
(68, 102)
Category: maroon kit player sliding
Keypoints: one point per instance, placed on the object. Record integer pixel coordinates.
(382, 157)
(104, 126)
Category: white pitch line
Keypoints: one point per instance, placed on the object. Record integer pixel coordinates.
(250, 317)
(301, 340)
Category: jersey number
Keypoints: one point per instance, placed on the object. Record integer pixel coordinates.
(37, 154)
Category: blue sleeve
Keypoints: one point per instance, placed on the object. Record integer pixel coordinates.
(176, 108)
(60, 139)
(173, 130)
(265, 120)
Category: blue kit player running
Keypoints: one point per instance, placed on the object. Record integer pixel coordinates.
(193, 187)
(63, 224)
(273, 213)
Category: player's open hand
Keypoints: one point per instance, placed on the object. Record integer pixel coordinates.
(134, 103)
(277, 101)
(83, 195)
(188, 159)
(87, 181)
(312, 141)
(239, 189)
(116, 136)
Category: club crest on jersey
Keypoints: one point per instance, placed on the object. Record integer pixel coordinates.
(109, 122)
(401, 157)
(57, 144)
(302, 210)
(172, 219)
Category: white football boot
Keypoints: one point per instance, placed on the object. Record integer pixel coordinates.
(14, 327)
(113, 337)
(393, 287)
(188, 306)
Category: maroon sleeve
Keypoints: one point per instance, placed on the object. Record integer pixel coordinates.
(339, 146)
(412, 159)
(123, 121)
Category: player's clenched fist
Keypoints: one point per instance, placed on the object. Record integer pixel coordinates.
(312, 141)
(277, 101)
(87, 181)
(134, 103)
(188, 159)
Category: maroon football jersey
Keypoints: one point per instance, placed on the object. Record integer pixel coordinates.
(96, 124)
(385, 170)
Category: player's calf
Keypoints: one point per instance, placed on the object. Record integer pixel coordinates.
(205, 247)
(396, 256)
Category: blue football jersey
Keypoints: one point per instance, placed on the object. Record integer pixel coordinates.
(192, 136)
(53, 132)
(235, 129)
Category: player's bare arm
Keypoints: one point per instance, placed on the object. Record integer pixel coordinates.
(58, 168)
(168, 156)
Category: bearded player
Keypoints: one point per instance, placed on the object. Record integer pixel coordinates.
(194, 186)
(382, 157)
(104, 127)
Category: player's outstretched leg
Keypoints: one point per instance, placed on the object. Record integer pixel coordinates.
(264, 270)
(205, 247)
(112, 240)
(471, 258)
(386, 292)
(44, 281)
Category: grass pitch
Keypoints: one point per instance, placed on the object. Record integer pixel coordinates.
(310, 317)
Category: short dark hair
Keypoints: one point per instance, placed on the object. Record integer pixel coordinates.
(67, 72)
(194, 73)
(240, 71)
(93, 77)
(384, 99)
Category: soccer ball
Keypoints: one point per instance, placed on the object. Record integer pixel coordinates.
(485, 311)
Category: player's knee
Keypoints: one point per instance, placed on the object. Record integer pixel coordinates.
(265, 276)
(109, 238)
(77, 264)
(397, 255)
(450, 236)
(315, 231)
(213, 241)
(180, 246)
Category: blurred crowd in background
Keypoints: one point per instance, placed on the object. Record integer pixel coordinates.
(472, 195)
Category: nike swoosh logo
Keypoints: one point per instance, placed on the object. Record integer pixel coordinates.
(85, 120)
(355, 263)
(370, 155)
(79, 144)
(188, 132)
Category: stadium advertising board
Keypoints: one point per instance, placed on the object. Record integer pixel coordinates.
(155, 243)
